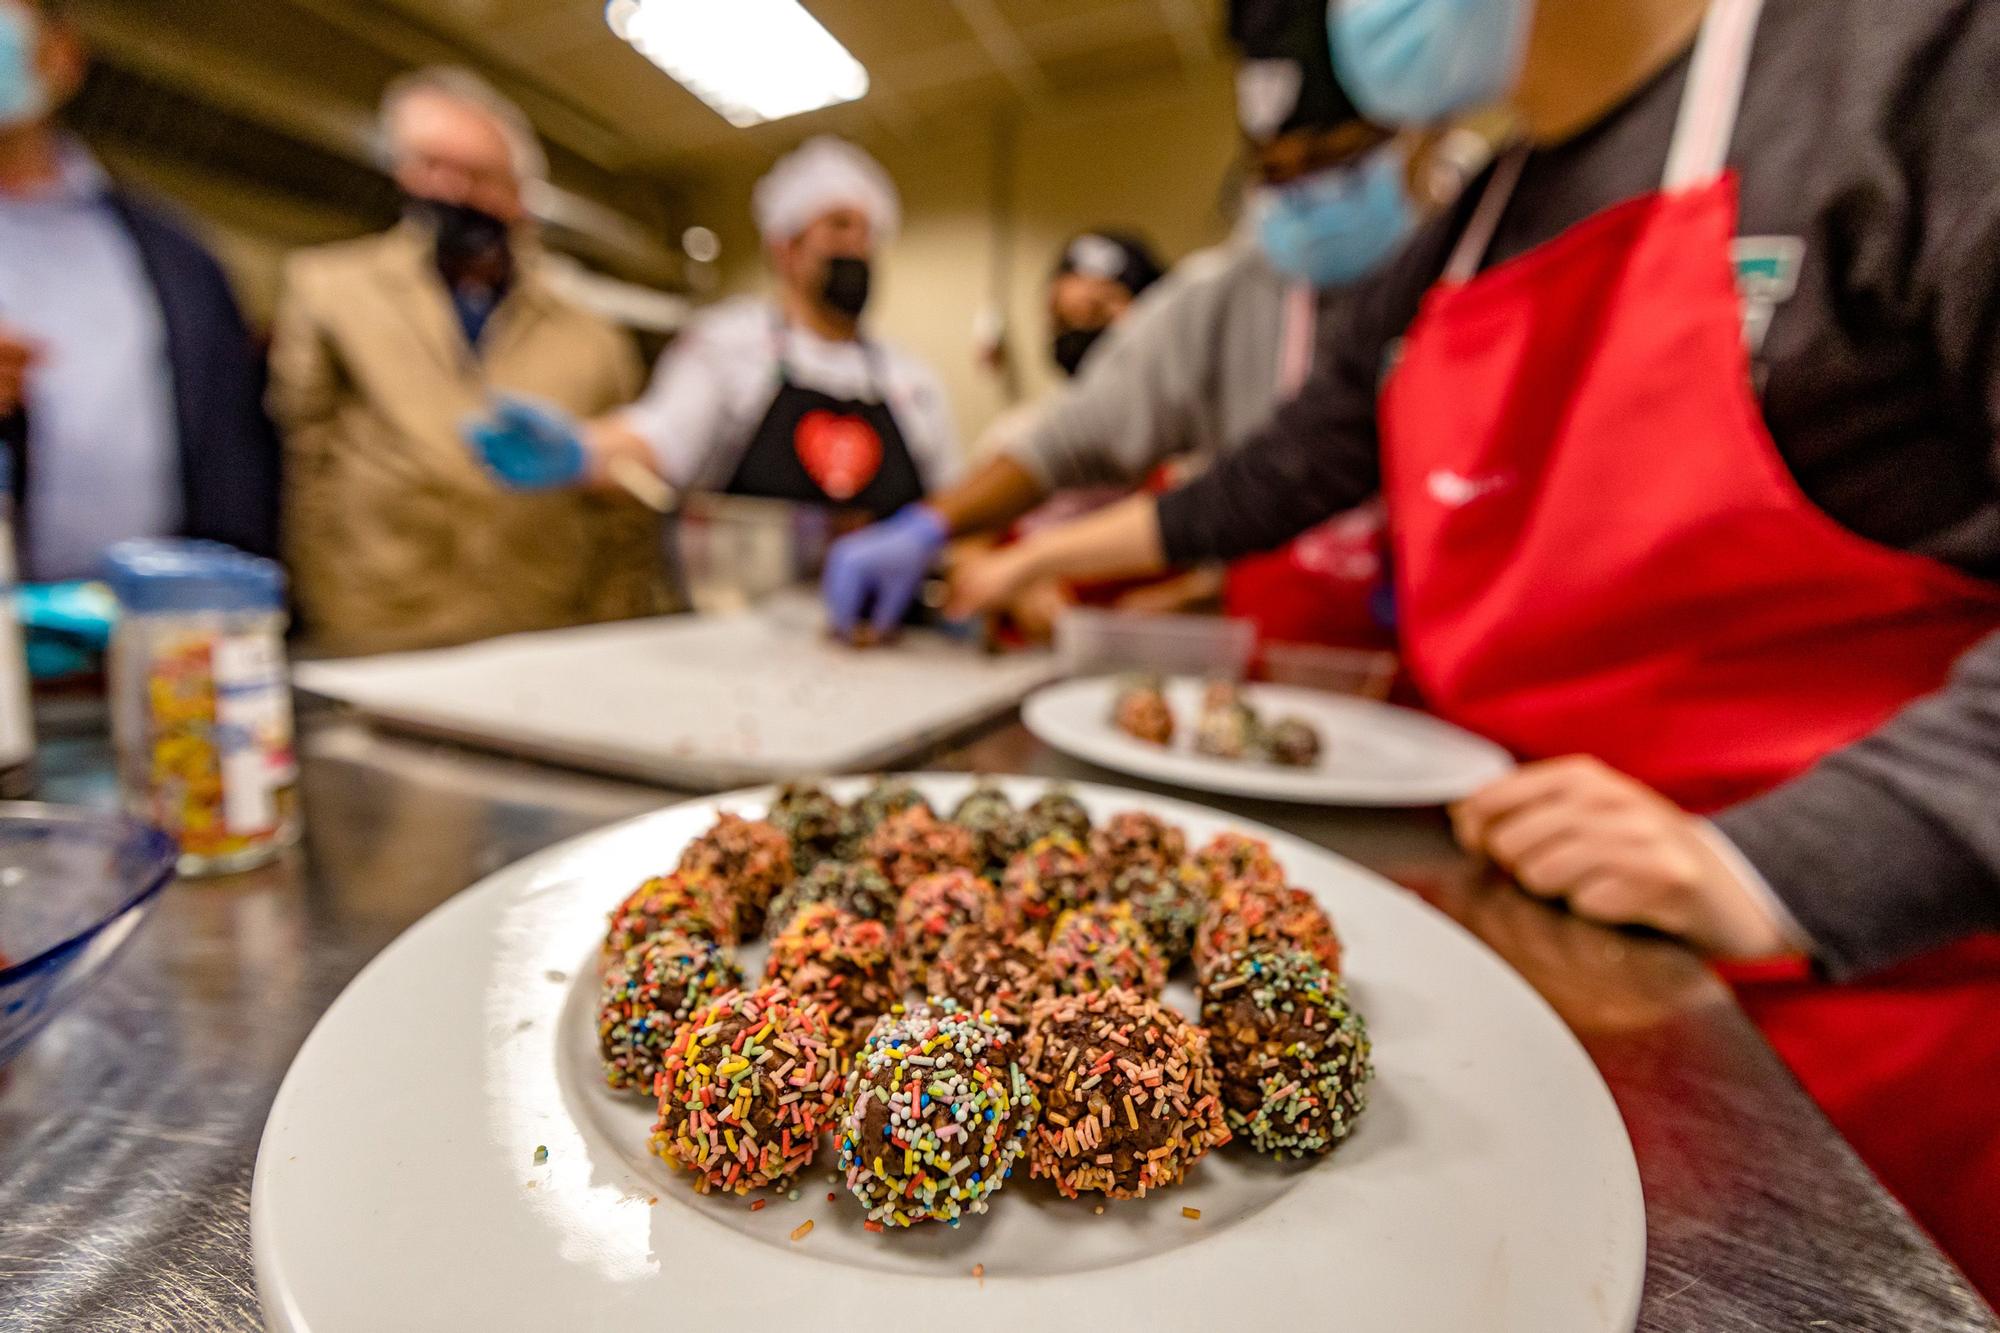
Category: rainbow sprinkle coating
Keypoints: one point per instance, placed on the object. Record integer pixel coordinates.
(935, 1114)
(1102, 947)
(934, 907)
(690, 903)
(1244, 917)
(990, 971)
(1130, 1098)
(1239, 860)
(1170, 902)
(1133, 838)
(745, 1091)
(648, 994)
(1055, 874)
(839, 962)
(913, 843)
(750, 859)
(813, 821)
(1294, 1052)
(855, 887)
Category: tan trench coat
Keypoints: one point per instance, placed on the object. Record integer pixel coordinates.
(396, 536)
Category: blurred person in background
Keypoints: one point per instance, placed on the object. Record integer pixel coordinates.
(785, 397)
(1204, 359)
(1688, 422)
(385, 345)
(1098, 276)
(130, 388)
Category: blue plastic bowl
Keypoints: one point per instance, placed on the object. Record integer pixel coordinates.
(74, 887)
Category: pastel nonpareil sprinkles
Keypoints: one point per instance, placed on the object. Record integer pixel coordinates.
(935, 1115)
(1294, 1052)
(745, 1091)
(1130, 1098)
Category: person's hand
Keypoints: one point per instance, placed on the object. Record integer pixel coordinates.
(1619, 853)
(17, 357)
(878, 571)
(528, 445)
(1036, 608)
(987, 583)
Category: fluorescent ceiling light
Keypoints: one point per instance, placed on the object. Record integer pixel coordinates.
(751, 60)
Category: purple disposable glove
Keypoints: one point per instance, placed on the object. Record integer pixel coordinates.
(878, 571)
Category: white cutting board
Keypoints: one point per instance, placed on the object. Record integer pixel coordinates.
(692, 701)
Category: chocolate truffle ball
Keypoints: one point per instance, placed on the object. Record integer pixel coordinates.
(1102, 947)
(913, 843)
(648, 994)
(813, 820)
(1056, 811)
(1242, 918)
(1001, 830)
(1135, 838)
(1052, 876)
(1238, 860)
(1290, 742)
(1226, 727)
(856, 887)
(1142, 712)
(935, 1114)
(840, 962)
(1130, 1098)
(746, 1089)
(884, 797)
(690, 903)
(1293, 1051)
(990, 971)
(935, 906)
(1170, 903)
(750, 859)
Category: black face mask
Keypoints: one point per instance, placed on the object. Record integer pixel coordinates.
(1072, 345)
(845, 286)
(464, 234)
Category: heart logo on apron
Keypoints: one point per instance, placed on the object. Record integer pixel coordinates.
(841, 453)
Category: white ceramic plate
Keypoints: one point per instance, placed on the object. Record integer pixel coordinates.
(1372, 754)
(1490, 1185)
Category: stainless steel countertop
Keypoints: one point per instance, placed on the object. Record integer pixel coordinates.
(128, 1131)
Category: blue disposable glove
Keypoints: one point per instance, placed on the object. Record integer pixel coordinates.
(529, 445)
(878, 570)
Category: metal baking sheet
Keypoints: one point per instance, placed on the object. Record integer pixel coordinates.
(694, 702)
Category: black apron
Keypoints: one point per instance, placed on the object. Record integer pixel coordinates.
(814, 448)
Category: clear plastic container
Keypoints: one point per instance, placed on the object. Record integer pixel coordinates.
(1089, 641)
(201, 701)
(1368, 672)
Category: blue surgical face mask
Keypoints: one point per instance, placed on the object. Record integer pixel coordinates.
(22, 95)
(1417, 62)
(1336, 225)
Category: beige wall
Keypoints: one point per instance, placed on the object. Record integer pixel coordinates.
(1156, 161)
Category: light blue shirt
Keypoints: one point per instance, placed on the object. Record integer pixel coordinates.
(103, 445)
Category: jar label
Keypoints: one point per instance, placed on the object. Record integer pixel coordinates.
(253, 732)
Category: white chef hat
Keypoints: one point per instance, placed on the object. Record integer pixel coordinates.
(824, 173)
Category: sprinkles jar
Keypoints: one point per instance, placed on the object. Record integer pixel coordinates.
(201, 701)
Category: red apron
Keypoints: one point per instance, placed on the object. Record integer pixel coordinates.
(1599, 550)
(1320, 587)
